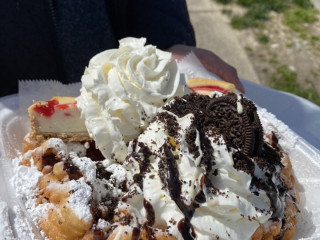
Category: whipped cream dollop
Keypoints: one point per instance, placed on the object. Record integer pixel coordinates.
(122, 89)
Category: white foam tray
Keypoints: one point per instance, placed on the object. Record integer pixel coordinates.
(305, 160)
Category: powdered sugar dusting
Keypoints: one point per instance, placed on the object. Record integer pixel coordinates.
(78, 148)
(5, 228)
(79, 199)
(118, 173)
(86, 166)
(57, 144)
(25, 180)
(24, 229)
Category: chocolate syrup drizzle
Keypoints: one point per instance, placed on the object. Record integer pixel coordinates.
(135, 234)
(150, 212)
(144, 162)
(174, 184)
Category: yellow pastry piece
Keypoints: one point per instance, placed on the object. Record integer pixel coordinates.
(206, 86)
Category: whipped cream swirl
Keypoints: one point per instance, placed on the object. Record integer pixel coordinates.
(122, 90)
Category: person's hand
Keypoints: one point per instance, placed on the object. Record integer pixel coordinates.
(210, 61)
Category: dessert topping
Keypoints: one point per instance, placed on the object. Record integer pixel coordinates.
(122, 89)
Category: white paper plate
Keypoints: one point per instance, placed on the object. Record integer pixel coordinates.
(305, 160)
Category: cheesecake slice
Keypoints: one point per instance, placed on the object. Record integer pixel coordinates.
(59, 117)
(205, 86)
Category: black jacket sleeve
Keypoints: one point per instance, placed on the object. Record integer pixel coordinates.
(163, 22)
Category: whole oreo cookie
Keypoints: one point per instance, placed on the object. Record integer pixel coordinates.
(237, 120)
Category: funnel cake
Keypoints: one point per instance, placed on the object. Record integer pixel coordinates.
(203, 169)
